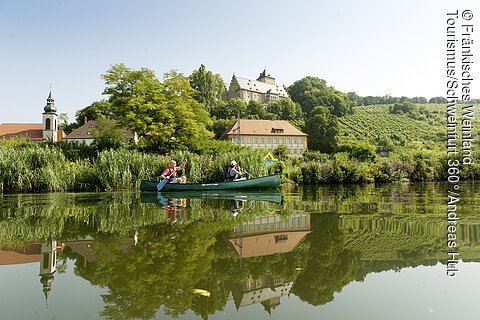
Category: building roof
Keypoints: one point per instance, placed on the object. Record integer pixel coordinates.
(85, 131)
(267, 244)
(263, 127)
(261, 87)
(33, 131)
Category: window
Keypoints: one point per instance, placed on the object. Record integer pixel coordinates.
(243, 140)
(275, 140)
(281, 237)
(255, 140)
(288, 140)
(48, 124)
(294, 140)
(262, 140)
(269, 140)
(46, 260)
(281, 140)
(277, 130)
(301, 151)
(294, 150)
(249, 140)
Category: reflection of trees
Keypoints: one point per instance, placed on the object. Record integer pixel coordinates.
(172, 259)
(168, 263)
(161, 270)
(329, 265)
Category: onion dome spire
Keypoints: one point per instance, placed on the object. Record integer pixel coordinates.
(50, 107)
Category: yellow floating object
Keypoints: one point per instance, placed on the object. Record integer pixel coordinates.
(201, 292)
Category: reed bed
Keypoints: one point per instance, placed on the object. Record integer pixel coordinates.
(43, 168)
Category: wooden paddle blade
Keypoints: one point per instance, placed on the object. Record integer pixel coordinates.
(161, 184)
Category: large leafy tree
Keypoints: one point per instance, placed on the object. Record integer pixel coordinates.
(208, 87)
(96, 111)
(229, 109)
(284, 109)
(322, 129)
(311, 92)
(164, 115)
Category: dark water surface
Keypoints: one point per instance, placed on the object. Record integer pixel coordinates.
(359, 252)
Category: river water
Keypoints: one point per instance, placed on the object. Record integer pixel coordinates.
(336, 252)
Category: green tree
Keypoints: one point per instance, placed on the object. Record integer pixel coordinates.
(311, 92)
(255, 110)
(109, 135)
(438, 100)
(208, 87)
(64, 125)
(97, 110)
(229, 109)
(284, 109)
(356, 99)
(322, 129)
(281, 152)
(360, 150)
(219, 126)
(164, 115)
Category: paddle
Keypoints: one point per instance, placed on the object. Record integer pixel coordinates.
(162, 183)
(242, 170)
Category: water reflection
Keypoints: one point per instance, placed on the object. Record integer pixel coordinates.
(198, 254)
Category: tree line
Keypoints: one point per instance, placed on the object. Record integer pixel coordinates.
(180, 112)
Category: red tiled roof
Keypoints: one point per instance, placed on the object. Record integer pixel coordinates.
(263, 127)
(32, 131)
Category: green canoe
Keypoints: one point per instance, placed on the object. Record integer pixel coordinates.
(272, 181)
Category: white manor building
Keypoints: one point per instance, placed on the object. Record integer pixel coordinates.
(262, 90)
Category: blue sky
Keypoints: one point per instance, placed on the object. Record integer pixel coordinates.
(372, 47)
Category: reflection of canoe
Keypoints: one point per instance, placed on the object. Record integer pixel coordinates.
(257, 195)
(272, 181)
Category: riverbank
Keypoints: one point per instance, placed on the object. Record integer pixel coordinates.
(46, 168)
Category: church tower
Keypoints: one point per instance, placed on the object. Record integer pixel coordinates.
(50, 120)
(48, 266)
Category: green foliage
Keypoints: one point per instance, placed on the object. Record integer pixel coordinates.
(96, 111)
(32, 168)
(109, 135)
(399, 108)
(219, 126)
(311, 92)
(360, 150)
(284, 109)
(229, 109)
(281, 152)
(311, 155)
(208, 87)
(165, 115)
(322, 130)
(73, 151)
(250, 110)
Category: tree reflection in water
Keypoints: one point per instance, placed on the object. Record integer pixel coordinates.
(312, 245)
